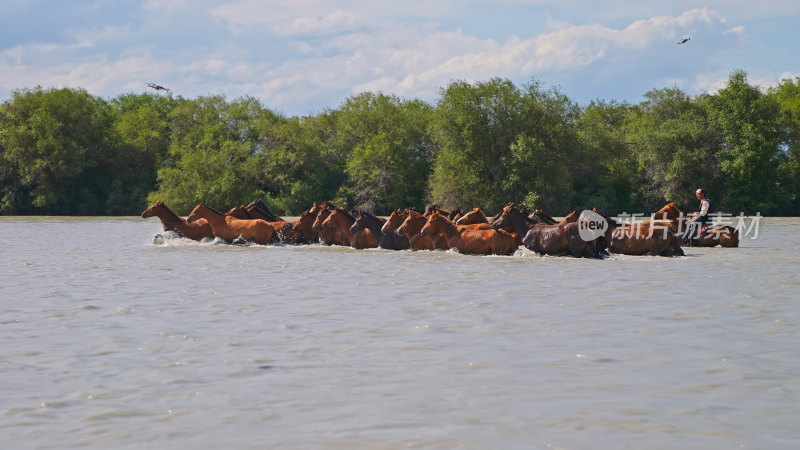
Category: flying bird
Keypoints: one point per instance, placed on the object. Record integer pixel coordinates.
(157, 87)
(684, 40)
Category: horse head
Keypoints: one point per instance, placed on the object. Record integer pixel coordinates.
(472, 217)
(152, 210)
(669, 212)
(571, 217)
(197, 212)
(360, 223)
(325, 210)
(432, 225)
(411, 221)
(395, 220)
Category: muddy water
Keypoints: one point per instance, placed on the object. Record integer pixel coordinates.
(110, 340)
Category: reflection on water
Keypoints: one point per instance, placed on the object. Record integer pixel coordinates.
(109, 339)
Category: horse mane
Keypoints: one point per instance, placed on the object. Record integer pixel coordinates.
(346, 214)
(372, 217)
(170, 212)
(213, 210)
(523, 215)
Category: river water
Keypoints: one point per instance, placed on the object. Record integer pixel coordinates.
(110, 340)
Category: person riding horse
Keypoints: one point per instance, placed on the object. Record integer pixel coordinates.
(699, 219)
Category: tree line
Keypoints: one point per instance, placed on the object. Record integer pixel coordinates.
(66, 152)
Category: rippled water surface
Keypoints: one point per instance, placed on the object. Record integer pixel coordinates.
(111, 340)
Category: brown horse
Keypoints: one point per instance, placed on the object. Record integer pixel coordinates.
(710, 235)
(172, 222)
(284, 231)
(259, 210)
(239, 212)
(340, 222)
(303, 228)
(231, 229)
(328, 235)
(474, 217)
(479, 242)
(546, 239)
(543, 218)
(396, 218)
(373, 223)
(655, 239)
(411, 228)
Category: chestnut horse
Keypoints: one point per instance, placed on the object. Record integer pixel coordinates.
(172, 222)
(231, 229)
(340, 221)
(328, 235)
(474, 217)
(283, 229)
(411, 228)
(394, 221)
(479, 242)
(389, 241)
(259, 210)
(655, 239)
(546, 239)
(302, 228)
(710, 235)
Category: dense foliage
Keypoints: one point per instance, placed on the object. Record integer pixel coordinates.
(64, 151)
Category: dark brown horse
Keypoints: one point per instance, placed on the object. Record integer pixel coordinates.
(231, 229)
(710, 236)
(542, 217)
(197, 230)
(546, 239)
(389, 241)
(478, 242)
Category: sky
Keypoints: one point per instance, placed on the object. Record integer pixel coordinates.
(301, 57)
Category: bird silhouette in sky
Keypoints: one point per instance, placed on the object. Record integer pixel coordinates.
(157, 87)
(684, 40)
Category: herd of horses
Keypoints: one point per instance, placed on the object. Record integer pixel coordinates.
(470, 232)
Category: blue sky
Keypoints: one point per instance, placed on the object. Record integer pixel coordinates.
(302, 56)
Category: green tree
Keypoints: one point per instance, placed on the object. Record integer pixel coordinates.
(746, 118)
(54, 146)
(211, 155)
(141, 135)
(675, 147)
(787, 94)
(389, 160)
(473, 129)
(605, 174)
(547, 149)
(299, 163)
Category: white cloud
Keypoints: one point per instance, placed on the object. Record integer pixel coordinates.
(736, 30)
(315, 52)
